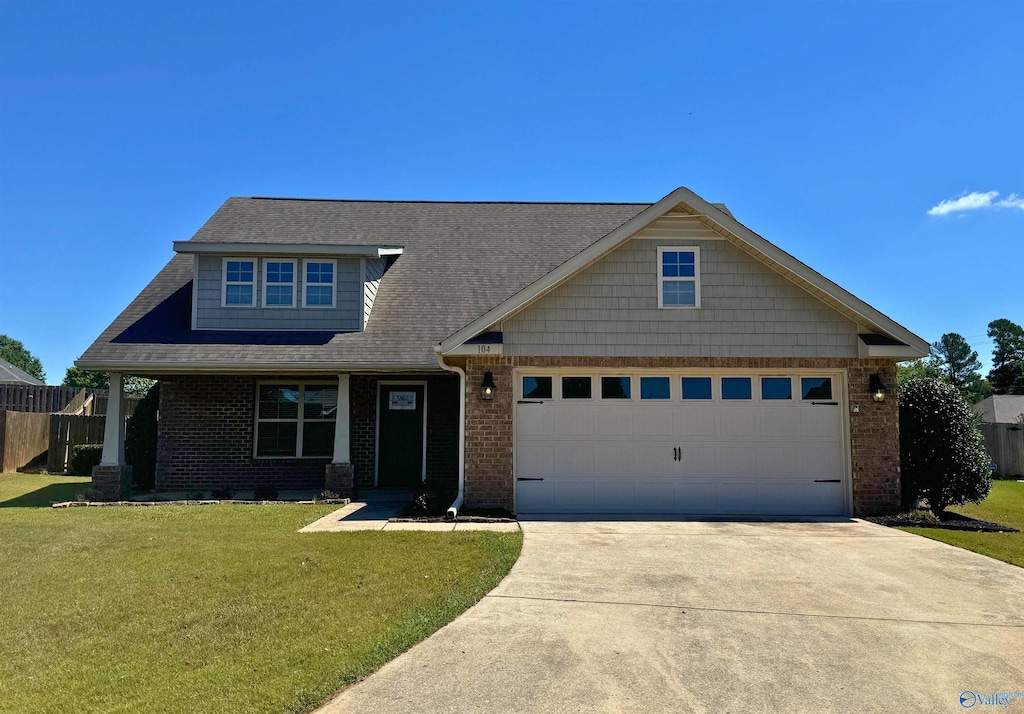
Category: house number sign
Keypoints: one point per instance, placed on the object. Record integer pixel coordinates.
(402, 401)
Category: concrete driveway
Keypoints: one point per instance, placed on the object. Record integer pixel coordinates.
(618, 616)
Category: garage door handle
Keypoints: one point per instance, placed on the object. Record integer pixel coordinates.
(527, 401)
(826, 480)
(529, 479)
(824, 404)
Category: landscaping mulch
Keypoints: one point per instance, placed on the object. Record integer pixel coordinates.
(949, 522)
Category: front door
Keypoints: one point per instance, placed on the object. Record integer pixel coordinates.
(400, 442)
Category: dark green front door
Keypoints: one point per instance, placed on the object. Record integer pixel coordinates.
(400, 444)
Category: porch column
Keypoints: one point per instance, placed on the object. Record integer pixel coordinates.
(340, 476)
(112, 479)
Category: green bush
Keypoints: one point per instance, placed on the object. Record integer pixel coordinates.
(140, 441)
(942, 453)
(84, 457)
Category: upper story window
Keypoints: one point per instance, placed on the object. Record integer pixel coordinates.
(678, 277)
(278, 283)
(239, 282)
(319, 285)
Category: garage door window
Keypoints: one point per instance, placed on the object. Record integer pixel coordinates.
(616, 388)
(776, 388)
(816, 387)
(735, 387)
(536, 387)
(696, 387)
(654, 388)
(576, 388)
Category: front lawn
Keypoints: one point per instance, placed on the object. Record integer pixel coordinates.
(1004, 505)
(213, 608)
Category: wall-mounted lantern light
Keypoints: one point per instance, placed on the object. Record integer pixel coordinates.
(877, 387)
(488, 388)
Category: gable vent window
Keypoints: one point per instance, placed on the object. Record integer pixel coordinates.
(278, 283)
(678, 277)
(319, 283)
(238, 282)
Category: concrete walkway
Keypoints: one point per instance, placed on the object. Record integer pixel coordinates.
(662, 616)
(372, 511)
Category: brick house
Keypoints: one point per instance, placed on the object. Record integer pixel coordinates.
(538, 357)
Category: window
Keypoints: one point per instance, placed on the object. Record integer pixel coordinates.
(735, 387)
(816, 388)
(319, 283)
(575, 387)
(278, 283)
(616, 388)
(238, 282)
(678, 277)
(296, 420)
(654, 388)
(776, 388)
(536, 387)
(696, 387)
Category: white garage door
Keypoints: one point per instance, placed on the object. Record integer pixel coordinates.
(685, 443)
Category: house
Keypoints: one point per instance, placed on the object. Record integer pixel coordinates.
(1001, 408)
(11, 374)
(539, 357)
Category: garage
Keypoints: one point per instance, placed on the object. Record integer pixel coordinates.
(681, 442)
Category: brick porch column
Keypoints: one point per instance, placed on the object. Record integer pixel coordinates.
(112, 479)
(339, 476)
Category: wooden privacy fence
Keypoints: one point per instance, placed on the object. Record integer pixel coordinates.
(35, 398)
(1005, 444)
(24, 436)
(65, 432)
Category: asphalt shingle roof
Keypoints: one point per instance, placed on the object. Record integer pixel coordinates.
(459, 261)
(11, 374)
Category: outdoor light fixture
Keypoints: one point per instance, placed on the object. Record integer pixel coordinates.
(488, 388)
(877, 387)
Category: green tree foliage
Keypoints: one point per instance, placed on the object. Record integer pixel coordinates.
(942, 453)
(14, 352)
(140, 441)
(918, 368)
(954, 359)
(84, 379)
(1007, 375)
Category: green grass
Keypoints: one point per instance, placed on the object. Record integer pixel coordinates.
(1004, 505)
(213, 608)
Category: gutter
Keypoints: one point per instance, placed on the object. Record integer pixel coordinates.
(453, 510)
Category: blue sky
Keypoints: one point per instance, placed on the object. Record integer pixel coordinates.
(829, 128)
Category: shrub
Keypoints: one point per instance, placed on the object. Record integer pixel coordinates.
(221, 494)
(264, 494)
(942, 453)
(84, 457)
(140, 440)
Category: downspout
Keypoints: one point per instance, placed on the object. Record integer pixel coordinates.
(453, 510)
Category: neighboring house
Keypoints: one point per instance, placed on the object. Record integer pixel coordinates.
(9, 374)
(1001, 409)
(541, 357)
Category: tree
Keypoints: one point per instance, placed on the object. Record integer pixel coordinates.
(1007, 375)
(14, 352)
(958, 363)
(919, 368)
(85, 379)
(942, 453)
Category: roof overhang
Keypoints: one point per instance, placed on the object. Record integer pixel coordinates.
(355, 251)
(305, 367)
(775, 257)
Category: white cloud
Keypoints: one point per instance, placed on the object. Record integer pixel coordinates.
(974, 201)
(1011, 201)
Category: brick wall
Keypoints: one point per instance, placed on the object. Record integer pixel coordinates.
(874, 430)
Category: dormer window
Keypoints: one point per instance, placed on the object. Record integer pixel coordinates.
(238, 282)
(278, 283)
(319, 286)
(678, 277)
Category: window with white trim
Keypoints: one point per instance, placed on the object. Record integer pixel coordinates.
(295, 420)
(678, 277)
(278, 283)
(319, 283)
(239, 282)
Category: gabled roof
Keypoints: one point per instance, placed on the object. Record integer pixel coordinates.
(1001, 408)
(721, 221)
(10, 374)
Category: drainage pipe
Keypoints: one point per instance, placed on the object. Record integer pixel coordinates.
(453, 510)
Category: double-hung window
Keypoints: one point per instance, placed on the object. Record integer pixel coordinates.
(318, 283)
(678, 277)
(278, 282)
(296, 420)
(239, 282)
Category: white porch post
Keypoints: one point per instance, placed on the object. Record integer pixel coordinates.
(342, 423)
(113, 430)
